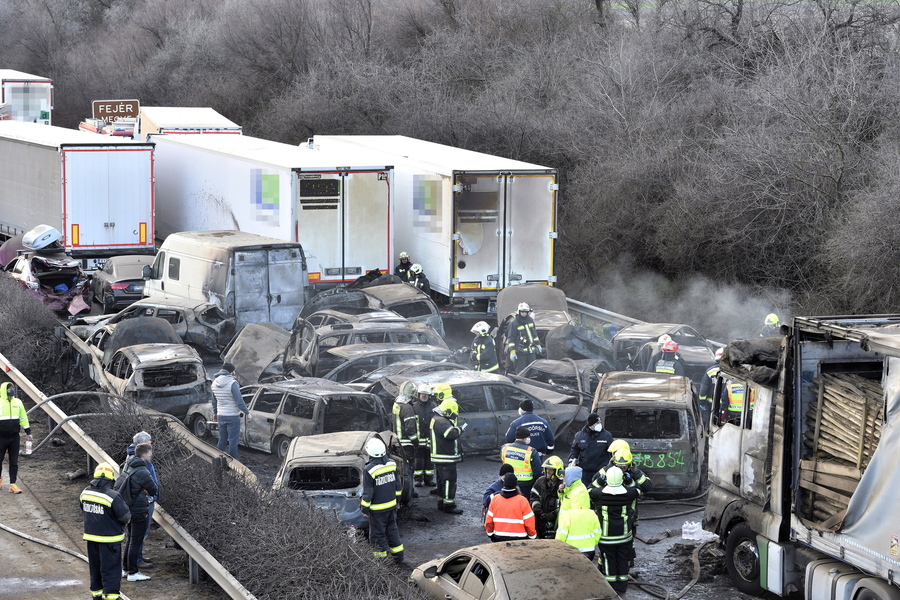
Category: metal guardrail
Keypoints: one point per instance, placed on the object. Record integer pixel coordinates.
(197, 552)
(592, 316)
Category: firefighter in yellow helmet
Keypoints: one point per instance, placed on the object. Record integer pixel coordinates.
(545, 496)
(105, 515)
(771, 326)
(445, 451)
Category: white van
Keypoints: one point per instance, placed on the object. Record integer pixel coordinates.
(252, 278)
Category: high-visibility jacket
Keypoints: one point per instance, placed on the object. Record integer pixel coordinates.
(574, 496)
(484, 352)
(614, 512)
(524, 460)
(406, 422)
(668, 364)
(12, 412)
(708, 386)
(736, 392)
(381, 485)
(104, 512)
(510, 517)
(425, 413)
(521, 336)
(445, 440)
(580, 528)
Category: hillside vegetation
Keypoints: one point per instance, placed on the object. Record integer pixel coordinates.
(750, 144)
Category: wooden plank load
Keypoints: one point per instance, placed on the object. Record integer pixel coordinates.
(843, 427)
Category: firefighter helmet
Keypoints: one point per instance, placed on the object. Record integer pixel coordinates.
(416, 268)
(670, 346)
(481, 328)
(425, 389)
(408, 389)
(772, 320)
(523, 307)
(442, 391)
(614, 477)
(105, 470)
(719, 353)
(449, 407)
(618, 445)
(375, 447)
(404, 255)
(555, 462)
(623, 457)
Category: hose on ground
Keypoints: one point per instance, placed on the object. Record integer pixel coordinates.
(678, 514)
(647, 586)
(50, 545)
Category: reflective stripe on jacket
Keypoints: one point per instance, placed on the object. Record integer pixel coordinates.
(736, 397)
(485, 354)
(406, 422)
(445, 441)
(510, 517)
(521, 335)
(104, 513)
(12, 412)
(580, 528)
(523, 459)
(381, 485)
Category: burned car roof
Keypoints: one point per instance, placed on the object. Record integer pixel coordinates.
(641, 330)
(356, 350)
(636, 386)
(329, 444)
(140, 331)
(148, 354)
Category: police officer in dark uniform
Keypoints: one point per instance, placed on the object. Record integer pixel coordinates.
(539, 429)
(381, 490)
(105, 515)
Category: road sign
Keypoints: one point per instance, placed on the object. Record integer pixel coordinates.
(113, 110)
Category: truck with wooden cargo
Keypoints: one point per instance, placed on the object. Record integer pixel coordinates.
(804, 450)
(476, 223)
(338, 207)
(25, 97)
(95, 189)
(183, 120)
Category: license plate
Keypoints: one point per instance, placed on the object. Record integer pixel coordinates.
(139, 288)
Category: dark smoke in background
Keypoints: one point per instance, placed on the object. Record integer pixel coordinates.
(719, 312)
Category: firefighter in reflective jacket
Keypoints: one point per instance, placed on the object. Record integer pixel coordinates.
(522, 340)
(105, 515)
(402, 270)
(12, 417)
(484, 350)
(613, 507)
(668, 363)
(445, 452)
(381, 490)
(525, 460)
(424, 407)
(708, 386)
(406, 421)
(735, 392)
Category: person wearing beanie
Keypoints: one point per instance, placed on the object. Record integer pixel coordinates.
(539, 429)
(228, 408)
(613, 505)
(509, 516)
(590, 450)
(495, 488)
(572, 492)
(526, 461)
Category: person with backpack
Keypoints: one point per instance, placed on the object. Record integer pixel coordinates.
(136, 486)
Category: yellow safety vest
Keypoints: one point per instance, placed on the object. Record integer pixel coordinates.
(580, 528)
(736, 392)
(520, 459)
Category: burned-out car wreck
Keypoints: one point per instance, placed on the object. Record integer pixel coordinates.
(659, 416)
(327, 471)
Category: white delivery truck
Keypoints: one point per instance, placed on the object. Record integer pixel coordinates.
(337, 207)
(25, 97)
(183, 119)
(95, 189)
(475, 222)
(253, 278)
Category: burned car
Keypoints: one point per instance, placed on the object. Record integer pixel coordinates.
(358, 360)
(283, 410)
(200, 324)
(306, 353)
(489, 403)
(407, 368)
(635, 345)
(104, 342)
(401, 298)
(40, 264)
(349, 314)
(327, 471)
(580, 375)
(659, 416)
(120, 281)
(256, 352)
(521, 570)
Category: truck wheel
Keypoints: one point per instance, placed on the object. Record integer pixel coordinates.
(281, 445)
(742, 559)
(199, 427)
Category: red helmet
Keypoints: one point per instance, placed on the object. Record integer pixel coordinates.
(670, 346)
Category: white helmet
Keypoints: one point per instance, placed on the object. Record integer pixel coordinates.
(719, 353)
(524, 306)
(416, 268)
(404, 255)
(481, 328)
(375, 447)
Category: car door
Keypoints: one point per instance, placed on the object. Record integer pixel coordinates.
(257, 431)
(506, 399)
(175, 317)
(475, 409)
(296, 417)
(449, 578)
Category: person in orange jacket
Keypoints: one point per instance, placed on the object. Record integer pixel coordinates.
(509, 516)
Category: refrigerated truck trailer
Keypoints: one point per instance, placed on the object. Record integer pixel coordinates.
(340, 209)
(25, 97)
(95, 189)
(183, 120)
(476, 223)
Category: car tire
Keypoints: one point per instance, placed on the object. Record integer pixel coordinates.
(109, 305)
(742, 559)
(406, 494)
(281, 445)
(200, 428)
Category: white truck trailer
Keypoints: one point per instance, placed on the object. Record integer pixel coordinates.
(476, 223)
(337, 207)
(95, 189)
(25, 97)
(183, 120)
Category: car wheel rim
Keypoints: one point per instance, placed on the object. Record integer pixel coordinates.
(200, 428)
(746, 560)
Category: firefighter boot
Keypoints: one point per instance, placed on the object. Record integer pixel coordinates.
(452, 509)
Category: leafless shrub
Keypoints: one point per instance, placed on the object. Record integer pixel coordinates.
(27, 325)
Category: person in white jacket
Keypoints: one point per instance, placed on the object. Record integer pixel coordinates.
(228, 408)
